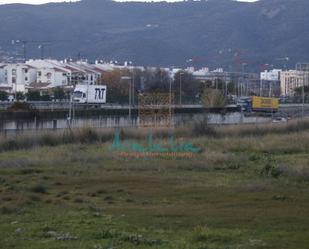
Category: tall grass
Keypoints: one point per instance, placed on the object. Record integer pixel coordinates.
(263, 129)
(91, 135)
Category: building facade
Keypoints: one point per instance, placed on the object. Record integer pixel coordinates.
(289, 80)
(19, 76)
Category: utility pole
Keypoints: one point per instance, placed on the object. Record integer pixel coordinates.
(25, 50)
(42, 47)
(305, 82)
(170, 100)
(303, 98)
(133, 88)
(180, 90)
(130, 93)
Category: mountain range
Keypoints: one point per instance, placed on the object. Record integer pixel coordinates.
(231, 34)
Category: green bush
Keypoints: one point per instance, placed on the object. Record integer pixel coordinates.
(21, 106)
(49, 140)
(201, 127)
(222, 236)
(88, 135)
(39, 189)
(3, 96)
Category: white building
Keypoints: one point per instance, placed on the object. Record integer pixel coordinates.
(272, 75)
(50, 72)
(3, 80)
(201, 72)
(19, 76)
(53, 76)
(2, 74)
(289, 80)
(92, 75)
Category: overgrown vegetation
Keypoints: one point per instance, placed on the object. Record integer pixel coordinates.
(63, 190)
(199, 127)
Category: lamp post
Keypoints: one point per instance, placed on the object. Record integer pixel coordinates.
(133, 87)
(15, 91)
(170, 100)
(180, 83)
(303, 92)
(130, 89)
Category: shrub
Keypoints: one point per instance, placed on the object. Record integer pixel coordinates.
(8, 210)
(49, 139)
(39, 189)
(88, 135)
(21, 106)
(34, 198)
(276, 172)
(204, 234)
(3, 96)
(78, 200)
(33, 96)
(9, 144)
(201, 127)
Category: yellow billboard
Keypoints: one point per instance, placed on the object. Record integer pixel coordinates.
(265, 103)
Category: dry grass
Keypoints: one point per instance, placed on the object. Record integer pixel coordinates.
(201, 129)
(219, 199)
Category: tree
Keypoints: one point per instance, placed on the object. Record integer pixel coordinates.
(117, 89)
(45, 97)
(3, 96)
(156, 80)
(213, 98)
(59, 93)
(190, 87)
(33, 96)
(299, 90)
(20, 96)
(231, 88)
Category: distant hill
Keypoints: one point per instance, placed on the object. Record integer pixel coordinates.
(213, 32)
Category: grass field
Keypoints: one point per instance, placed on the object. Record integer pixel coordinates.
(249, 190)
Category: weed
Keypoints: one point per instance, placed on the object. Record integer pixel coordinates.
(201, 127)
(39, 188)
(88, 135)
(78, 200)
(8, 210)
(221, 236)
(30, 171)
(34, 198)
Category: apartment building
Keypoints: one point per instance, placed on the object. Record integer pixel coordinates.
(19, 76)
(291, 79)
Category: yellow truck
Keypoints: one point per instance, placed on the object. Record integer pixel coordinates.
(264, 104)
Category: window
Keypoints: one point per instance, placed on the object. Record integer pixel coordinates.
(39, 73)
(13, 80)
(77, 94)
(14, 72)
(26, 78)
(26, 70)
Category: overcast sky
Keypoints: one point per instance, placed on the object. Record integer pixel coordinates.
(46, 1)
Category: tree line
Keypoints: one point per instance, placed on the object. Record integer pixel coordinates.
(183, 85)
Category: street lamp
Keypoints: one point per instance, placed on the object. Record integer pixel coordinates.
(170, 100)
(130, 88)
(305, 82)
(180, 74)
